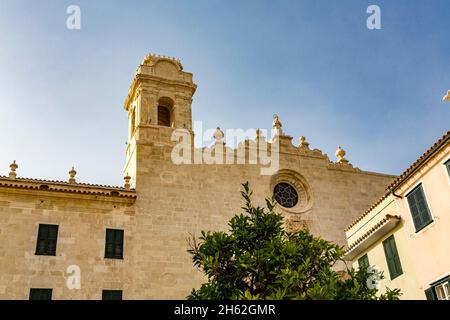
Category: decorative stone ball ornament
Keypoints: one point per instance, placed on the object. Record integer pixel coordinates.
(340, 155)
(72, 174)
(303, 142)
(447, 96)
(13, 166)
(127, 179)
(277, 125)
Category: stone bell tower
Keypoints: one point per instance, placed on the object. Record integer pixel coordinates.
(158, 102)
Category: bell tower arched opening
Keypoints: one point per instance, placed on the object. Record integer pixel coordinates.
(165, 112)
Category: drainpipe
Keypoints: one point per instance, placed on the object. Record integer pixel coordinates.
(396, 195)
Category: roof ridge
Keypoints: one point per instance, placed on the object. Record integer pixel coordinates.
(402, 176)
(60, 182)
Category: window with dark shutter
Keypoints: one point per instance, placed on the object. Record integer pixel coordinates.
(429, 293)
(392, 257)
(46, 240)
(419, 208)
(114, 244)
(40, 294)
(439, 290)
(112, 295)
(363, 261)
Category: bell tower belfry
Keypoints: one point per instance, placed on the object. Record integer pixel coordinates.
(158, 102)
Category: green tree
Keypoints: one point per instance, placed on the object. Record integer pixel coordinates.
(259, 259)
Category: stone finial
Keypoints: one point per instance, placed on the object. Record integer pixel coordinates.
(127, 179)
(447, 96)
(303, 142)
(218, 136)
(340, 155)
(12, 173)
(276, 124)
(72, 174)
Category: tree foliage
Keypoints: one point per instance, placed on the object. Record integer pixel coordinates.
(259, 259)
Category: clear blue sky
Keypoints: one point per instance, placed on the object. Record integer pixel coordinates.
(377, 93)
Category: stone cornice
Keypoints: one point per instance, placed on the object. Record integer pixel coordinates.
(49, 187)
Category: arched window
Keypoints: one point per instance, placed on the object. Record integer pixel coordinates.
(165, 106)
(163, 116)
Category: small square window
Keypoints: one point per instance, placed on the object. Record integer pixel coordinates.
(363, 261)
(46, 240)
(114, 244)
(112, 295)
(40, 294)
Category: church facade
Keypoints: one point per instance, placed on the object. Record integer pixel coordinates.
(71, 240)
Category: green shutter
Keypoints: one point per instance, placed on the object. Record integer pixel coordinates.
(392, 257)
(414, 210)
(429, 293)
(114, 244)
(109, 235)
(112, 295)
(40, 294)
(47, 239)
(419, 209)
(363, 261)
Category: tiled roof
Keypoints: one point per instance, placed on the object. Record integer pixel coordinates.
(359, 218)
(376, 227)
(442, 141)
(62, 186)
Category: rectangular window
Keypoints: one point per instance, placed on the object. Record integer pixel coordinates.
(46, 240)
(419, 208)
(440, 290)
(447, 164)
(40, 294)
(392, 257)
(363, 261)
(114, 244)
(112, 295)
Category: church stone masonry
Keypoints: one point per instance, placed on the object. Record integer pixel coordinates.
(162, 203)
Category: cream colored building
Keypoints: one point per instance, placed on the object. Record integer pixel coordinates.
(130, 241)
(406, 233)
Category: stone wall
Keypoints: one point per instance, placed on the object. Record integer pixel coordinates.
(170, 203)
(82, 221)
(176, 201)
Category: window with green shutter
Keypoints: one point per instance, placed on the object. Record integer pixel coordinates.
(419, 208)
(429, 293)
(112, 295)
(392, 257)
(40, 294)
(440, 290)
(363, 261)
(114, 244)
(46, 240)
